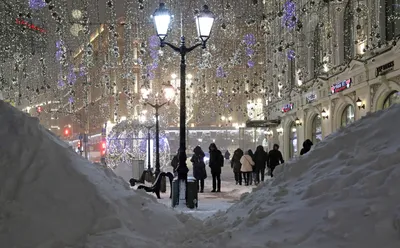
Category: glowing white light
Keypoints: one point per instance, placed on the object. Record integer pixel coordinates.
(76, 14)
(162, 19)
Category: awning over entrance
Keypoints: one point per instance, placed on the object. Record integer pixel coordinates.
(263, 123)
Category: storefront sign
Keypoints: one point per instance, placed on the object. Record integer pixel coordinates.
(341, 86)
(311, 98)
(287, 107)
(381, 70)
(21, 22)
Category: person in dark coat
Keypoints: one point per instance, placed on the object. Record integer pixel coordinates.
(216, 162)
(227, 155)
(175, 163)
(182, 170)
(275, 158)
(261, 160)
(199, 167)
(252, 175)
(307, 144)
(236, 165)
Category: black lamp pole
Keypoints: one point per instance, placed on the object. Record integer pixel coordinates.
(157, 106)
(182, 50)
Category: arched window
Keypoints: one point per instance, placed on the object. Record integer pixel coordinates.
(348, 35)
(347, 115)
(392, 98)
(317, 51)
(392, 17)
(316, 129)
(292, 140)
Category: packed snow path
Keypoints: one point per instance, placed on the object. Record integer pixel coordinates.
(211, 203)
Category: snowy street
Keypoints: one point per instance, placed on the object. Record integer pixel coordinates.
(210, 203)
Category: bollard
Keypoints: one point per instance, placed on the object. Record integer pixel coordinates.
(191, 193)
(175, 193)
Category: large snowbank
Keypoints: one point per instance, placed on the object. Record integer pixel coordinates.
(51, 197)
(344, 193)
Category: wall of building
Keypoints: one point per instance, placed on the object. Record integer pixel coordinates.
(368, 83)
(370, 88)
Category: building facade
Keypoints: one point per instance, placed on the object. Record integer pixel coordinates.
(106, 91)
(352, 71)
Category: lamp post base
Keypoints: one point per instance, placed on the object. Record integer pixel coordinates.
(149, 177)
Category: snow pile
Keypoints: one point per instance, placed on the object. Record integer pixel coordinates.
(51, 197)
(124, 170)
(344, 193)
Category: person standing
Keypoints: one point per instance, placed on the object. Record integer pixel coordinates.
(199, 167)
(227, 155)
(216, 162)
(236, 165)
(175, 163)
(307, 144)
(260, 160)
(252, 175)
(247, 167)
(275, 158)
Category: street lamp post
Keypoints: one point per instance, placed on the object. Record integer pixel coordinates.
(204, 23)
(169, 94)
(149, 148)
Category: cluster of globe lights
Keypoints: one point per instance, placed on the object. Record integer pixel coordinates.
(127, 141)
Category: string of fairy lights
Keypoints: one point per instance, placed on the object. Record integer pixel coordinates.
(255, 48)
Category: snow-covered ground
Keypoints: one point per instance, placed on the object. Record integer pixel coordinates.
(52, 198)
(210, 203)
(344, 193)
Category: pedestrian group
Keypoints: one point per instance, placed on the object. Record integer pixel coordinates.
(248, 167)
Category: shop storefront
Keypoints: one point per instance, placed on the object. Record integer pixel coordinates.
(347, 115)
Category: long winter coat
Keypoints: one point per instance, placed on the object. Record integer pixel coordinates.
(275, 158)
(235, 162)
(199, 167)
(216, 162)
(260, 159)
(247, 163)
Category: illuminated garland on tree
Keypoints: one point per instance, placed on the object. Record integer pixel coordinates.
(289, 19)
(127, 141)
(250, 41)
(291, 54)
(220, 72)
(37, 4)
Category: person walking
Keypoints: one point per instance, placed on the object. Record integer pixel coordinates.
(247, 167)
(260, 160)
(275, 158)
(252, 175)
(216, 162)
(307, 144)
(236, 165)
(199, 167)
